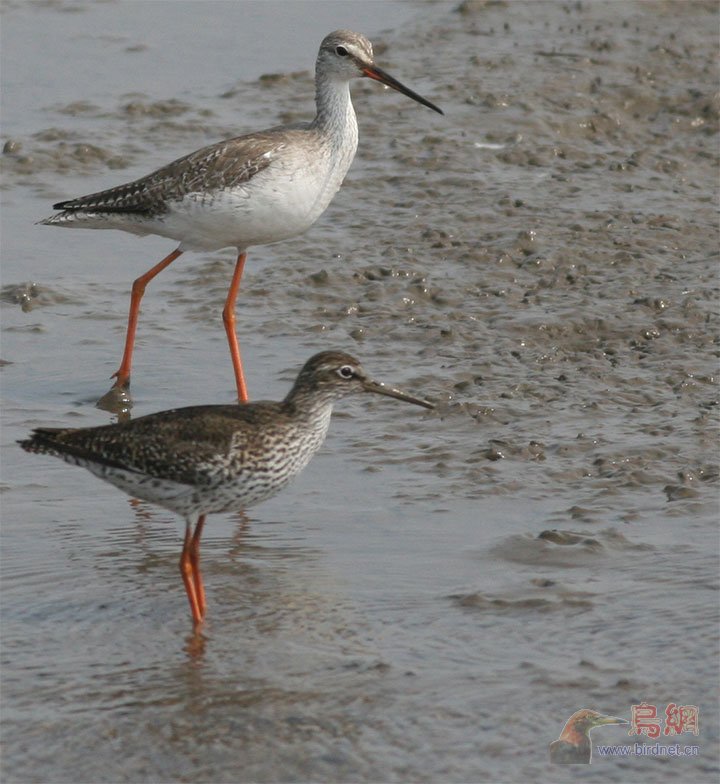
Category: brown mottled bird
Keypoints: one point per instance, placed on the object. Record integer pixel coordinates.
(574, 746)
(254, 189)
(221, 458)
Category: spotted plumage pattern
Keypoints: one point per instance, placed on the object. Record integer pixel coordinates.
(215, 458)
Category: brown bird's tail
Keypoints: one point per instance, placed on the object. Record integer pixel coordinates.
(48, 441)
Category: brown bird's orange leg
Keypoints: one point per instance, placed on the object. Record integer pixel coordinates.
(187, 572)
(195, 563)
(229, 321)
(122, 375)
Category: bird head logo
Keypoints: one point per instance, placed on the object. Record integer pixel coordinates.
(574, 747)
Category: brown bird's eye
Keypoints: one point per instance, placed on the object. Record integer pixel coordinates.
(341, 50)
(346, 371)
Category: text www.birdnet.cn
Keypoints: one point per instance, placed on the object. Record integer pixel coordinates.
(648, 750)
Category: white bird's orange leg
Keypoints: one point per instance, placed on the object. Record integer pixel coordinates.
(229, 321)
(122, 376)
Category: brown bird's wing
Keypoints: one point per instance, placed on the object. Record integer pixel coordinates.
(187, 445)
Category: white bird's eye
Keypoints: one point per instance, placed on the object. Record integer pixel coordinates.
(341, 51)
(346, 371)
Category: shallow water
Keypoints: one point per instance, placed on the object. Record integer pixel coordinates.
(542, 262)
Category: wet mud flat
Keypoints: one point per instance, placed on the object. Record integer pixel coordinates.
(542, 262)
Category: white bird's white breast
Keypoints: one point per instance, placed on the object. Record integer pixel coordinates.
(280, 202)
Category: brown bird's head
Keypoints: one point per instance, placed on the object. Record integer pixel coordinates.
(578, 726)
(574, 746)
(331, 375)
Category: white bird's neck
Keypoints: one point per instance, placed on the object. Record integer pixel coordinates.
(335, 116)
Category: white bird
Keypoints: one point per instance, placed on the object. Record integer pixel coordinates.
(251, 190)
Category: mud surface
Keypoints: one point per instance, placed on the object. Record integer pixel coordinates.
(438, 592)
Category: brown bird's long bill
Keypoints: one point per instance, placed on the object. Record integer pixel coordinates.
(610, 720)
(373, 72)
(382, 389)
